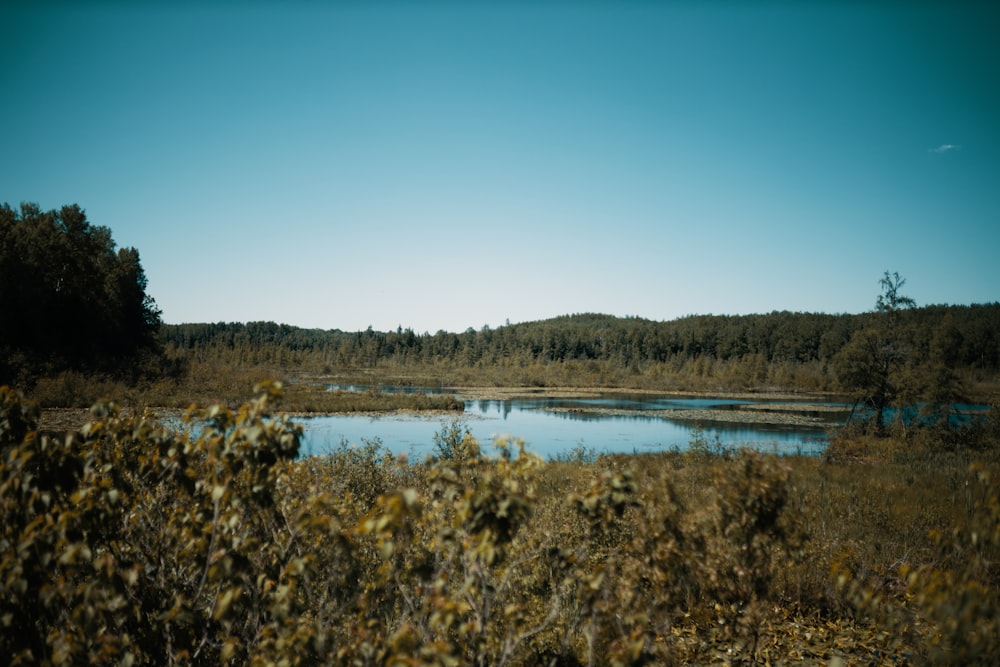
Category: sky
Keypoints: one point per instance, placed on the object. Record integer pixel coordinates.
(446, 165)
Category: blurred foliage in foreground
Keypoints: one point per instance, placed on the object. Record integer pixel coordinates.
(211, 542)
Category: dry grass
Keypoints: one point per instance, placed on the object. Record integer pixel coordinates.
(218, 543)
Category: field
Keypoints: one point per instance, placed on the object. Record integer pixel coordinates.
(129, 542)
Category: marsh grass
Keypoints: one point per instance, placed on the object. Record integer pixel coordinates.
(209, 382)
(309, 399)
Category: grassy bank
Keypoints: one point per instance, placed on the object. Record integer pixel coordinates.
(209, 380)
(215, 383)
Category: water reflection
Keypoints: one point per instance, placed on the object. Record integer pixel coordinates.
(486, 406)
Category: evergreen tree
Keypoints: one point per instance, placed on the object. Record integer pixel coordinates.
(869, 364)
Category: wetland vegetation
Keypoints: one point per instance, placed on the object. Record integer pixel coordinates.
(150, 532)
(129, 541)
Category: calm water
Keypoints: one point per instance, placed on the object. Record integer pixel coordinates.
(550, 434)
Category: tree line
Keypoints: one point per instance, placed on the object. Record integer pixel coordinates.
(895, 356)
(972, 334)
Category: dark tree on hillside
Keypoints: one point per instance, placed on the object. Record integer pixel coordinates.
(69, 299)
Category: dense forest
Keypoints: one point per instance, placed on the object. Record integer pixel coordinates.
(776, 337)
(70, 298)
(955, 345)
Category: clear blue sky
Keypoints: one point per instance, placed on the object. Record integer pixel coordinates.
(446, 165)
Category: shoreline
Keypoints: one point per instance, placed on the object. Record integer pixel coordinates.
(728, 416)
(507, 393)
(61, 420)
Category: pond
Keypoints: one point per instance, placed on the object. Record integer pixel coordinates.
(618, 423)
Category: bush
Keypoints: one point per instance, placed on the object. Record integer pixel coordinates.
(212, 542)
